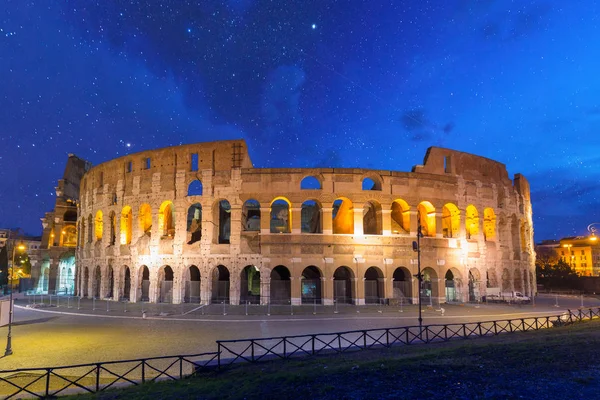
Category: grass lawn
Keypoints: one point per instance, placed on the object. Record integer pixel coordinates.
(558, 363)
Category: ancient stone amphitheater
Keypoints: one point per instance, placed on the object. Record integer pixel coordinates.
(197, 223)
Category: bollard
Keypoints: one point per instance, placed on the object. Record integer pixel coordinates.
(401, 310)
(269, 308)
(556, 303)
(224, 313)
(79, 303)
(143, 314)
(68, 301)
(315, 307)
(58, 302)
(107, 306)
(94, 303)
(335, 303)
(291, 308)
(246, 307)
(380, 305)
(581, 301)
(125, 306)
(50, 304)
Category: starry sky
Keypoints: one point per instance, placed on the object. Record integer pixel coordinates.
(306, 83)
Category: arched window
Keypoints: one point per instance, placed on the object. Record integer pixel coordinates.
(450, 221)
(98, 225)
(145, 219)
(166, 219)
(471, 222)
(343, 216)
(310, 215)
(251, 215)
(69, 236)
(281, 217)
(195, 188)
(222, 214)
(489, 224)
(70, 216)
(371, 184)
(194, 223)
(400, 217)
(372, 223)
(426, 213)
(126, 225)
(310, 183)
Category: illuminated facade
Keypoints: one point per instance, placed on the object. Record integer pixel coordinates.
(197, 223)
(582, 255)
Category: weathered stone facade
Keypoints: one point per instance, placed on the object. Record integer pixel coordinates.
(198, 223)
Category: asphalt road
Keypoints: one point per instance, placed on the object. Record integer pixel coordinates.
(54, 336)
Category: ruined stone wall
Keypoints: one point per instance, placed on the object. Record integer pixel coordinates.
(354, 226)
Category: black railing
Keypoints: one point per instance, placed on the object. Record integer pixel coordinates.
(97, 377)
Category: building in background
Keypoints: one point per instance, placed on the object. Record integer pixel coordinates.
(581, 253)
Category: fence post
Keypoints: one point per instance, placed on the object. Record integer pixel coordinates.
(48, 382)
(143, 371)
(365, 339)
(387, 337)
(464, 331)
(97, 378)
(479, 326)
(523, 324)
(218, 355)
(180, 367)
(252, 350)
(284, 347)
(313, 344)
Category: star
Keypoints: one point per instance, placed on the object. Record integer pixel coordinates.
(314, 26)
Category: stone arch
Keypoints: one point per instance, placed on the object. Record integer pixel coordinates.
(96, 282)
(371, 182)
(166, 219)
(192, 279)
(251, 215)
(144, 283)
(506, 280)
(66, 269)
(281, 288)
(110, 282)
(311, 285)
(311, 183)
(250, 285)
(220, 284)
(165, 284)
(343, 285)
(430, 285)
(471, 222)
(402, 284)
(311, 217)
(70, 216)
(194, 223)
(126, 283)
(126, 225)
(343, 216)
(374, 291)
(68, 236)
(98, 225)
(86, 282)
(112, 223)
(400, 216)
(145, 219)
(474, 284)
(280, 216)
(222, 214)
(195, 188)
(489, 224)
(452, 285)
(426, 214)
(450, 221)
(372, 218)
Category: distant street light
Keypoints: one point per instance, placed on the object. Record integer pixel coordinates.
(592, 230)
(419, 276)
(20, 247)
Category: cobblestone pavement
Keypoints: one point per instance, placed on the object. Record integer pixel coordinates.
(71, 331)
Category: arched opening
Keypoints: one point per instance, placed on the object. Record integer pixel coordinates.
(402, 284)
(474, 280)
(450, 221)
(220, 284)
(281, 218)
(518, 280)
(44, 276)
(251, 215)
(90, 231)
(166, 219)
(281, 288)
(165, 284)
(400, 217)
(310, 183)
(342, 216)
(68, 236)
(127, 284)
(96, 282)
(66, 280)
(372, 220)
(113, 228)
(126, 225)
(451, 287)
(426, 214)
(371, 184)
(471, 222)
(491, 277)
(311, 289)
(310, 215)
(506, 283)
(343, 289)
(145, 219)
(98, 225)
(195, 188)
(250, 285)
(373, 286)
(489, 224)
(145, 284)
(86, 282)
(192, 285)
(70, 216)
(110, 277)
(222, 214)
(194, 223)
(429, 288)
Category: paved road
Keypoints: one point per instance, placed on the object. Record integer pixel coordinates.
(53, 336)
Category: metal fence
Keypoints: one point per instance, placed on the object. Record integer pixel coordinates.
(97, 377)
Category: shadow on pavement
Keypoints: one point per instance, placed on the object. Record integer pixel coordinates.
(35, 321)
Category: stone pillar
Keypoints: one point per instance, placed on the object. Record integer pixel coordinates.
(208, 226)
(438, 225)
(119, 279)
(296, 220)
(359, 290)
(236, 225)
(154, 286)
(381, 284)
(358, 221)
(296, 290)
(388, 288)
(265, 220)
(327, 288)
(386, 222)
(234, 286)
(206, 290)
(327, 220)
(441, 291)
(265, 289)
(414, 223)
(415, 290)
(462, 230)
(178, 284)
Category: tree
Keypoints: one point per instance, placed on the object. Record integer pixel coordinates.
(545, 256)
(557, 276)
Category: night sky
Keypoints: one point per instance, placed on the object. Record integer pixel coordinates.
(367, 84)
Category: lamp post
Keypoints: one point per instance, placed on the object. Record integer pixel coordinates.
(592, 230)
(8, 350)
(419, 276)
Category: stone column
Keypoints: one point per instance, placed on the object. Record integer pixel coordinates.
(265, 289)
(327, 289)
(386, 222)
(359, 290)
(462, 230)
(206, 290)
(326, 215)
(296, 290)
(178, 284)
(265, 220)
(415, 290)
(358, 221)
(296, 220)
(414, 223)
(381, 284)
(154, 286)
(234, 286)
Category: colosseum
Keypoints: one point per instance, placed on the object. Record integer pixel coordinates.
(197, 223)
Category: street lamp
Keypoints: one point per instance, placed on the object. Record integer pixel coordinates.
(592, 230)
(419, 276)
(21, 247)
